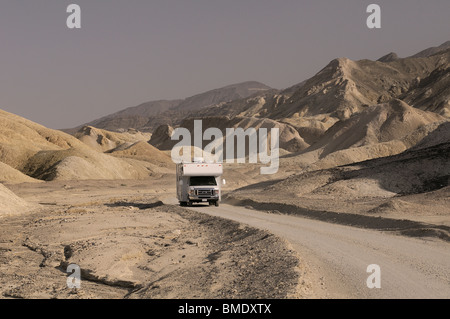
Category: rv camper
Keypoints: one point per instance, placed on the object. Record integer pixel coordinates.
(199, 182)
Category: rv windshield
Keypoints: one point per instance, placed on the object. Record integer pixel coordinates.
(203, 181)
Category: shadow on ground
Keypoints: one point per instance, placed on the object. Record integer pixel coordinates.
(402, 226)
(137, 205)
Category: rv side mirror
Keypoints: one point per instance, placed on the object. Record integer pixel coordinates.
(224, 181)
(180, 182)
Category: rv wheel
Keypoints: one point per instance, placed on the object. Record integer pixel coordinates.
(216, 203)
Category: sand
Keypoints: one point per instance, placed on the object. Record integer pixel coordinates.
(12, 175)
(11, 204)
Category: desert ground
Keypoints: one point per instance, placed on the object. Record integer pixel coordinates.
(132, 240)
(129, 244)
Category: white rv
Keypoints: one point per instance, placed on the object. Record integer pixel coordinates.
(199, 182)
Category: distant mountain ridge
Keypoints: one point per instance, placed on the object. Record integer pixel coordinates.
(433, 50)
(411, 92)
(339, 90)
(147, 116)
(422, 54)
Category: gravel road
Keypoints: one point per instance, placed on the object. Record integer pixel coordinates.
(339, 255)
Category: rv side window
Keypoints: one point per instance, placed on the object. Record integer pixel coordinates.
(203, 181)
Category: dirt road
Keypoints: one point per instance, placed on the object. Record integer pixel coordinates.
(339, 255)
(128, 244)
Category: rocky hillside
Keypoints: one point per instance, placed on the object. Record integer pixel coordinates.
(356, 109)
(30, 151)
(103, 140)
(345, 87)
(290, 140)
(417, 170)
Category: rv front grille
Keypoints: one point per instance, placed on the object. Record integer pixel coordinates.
(204, 192)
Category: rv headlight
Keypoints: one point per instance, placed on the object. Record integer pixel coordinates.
(216, 192)
(192, 192)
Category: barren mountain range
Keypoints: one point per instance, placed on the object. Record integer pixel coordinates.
(147, 116)
(350, 111)
(340, 89)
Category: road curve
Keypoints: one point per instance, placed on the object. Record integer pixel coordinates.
(410, 267)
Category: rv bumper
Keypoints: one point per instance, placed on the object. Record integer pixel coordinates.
(194, 198)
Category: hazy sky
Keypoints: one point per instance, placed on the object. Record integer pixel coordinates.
(133, 51)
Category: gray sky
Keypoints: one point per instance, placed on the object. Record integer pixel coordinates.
(129, 52)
